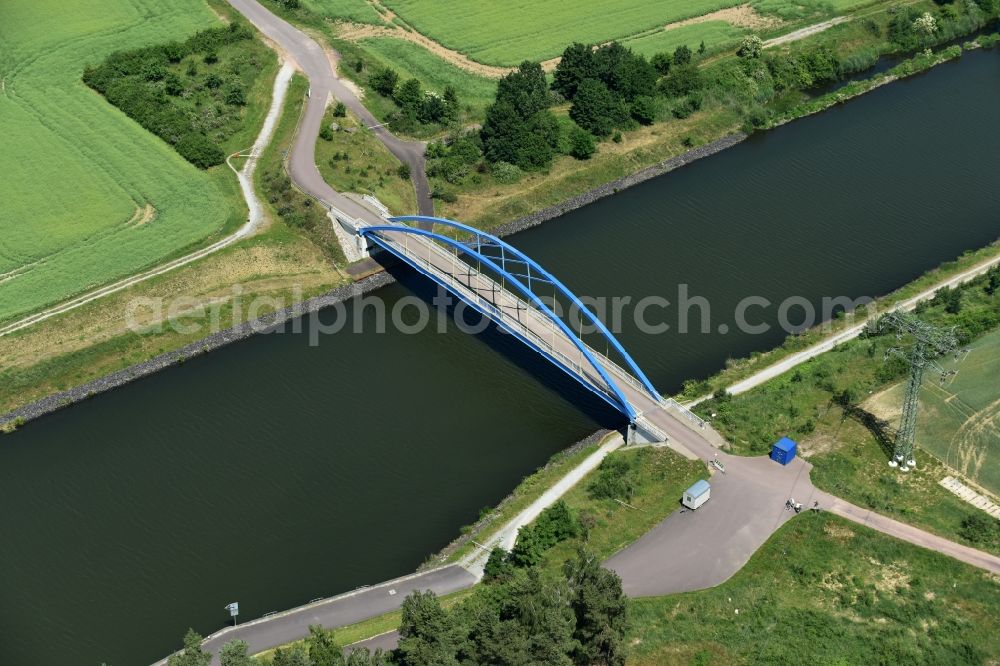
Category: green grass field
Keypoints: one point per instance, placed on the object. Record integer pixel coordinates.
(715, 35)
(959, 421)
(826, 591)
(414, 61)
(76, 171)
(357, 11)
(507, 33)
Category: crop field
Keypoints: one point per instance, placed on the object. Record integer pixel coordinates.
(88, 195)
(960, 419)
(507, 33)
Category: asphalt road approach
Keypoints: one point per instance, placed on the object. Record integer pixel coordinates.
(312, 60)
(274, 630)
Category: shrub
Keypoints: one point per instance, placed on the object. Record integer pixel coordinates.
(750, 47)
(582, 144)
(340, 111)
(644, 109)
(235, 95)
(384, 81)
(683, 80)
(199, 150)
(979, 528)
(505, 172)
(326, 133)
(662, 62)
(616, 479)
(403, 171)
(682, 55)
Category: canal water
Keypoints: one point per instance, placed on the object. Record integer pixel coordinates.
(272, 472)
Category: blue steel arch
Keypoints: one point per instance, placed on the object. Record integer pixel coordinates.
(482, 240)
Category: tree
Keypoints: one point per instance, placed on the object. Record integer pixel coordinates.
(323, 649)
(595, 109)
(600, 607)
(451, 102)
(751, 47)
(291, 656)
(191, 654)
(525, 89)
(682, 55)
(384, 81)
(624, 73)
(426, 632)
(643, 109)
(577, 63)
(993, 281)
(234, 653)
(662, 63)
(581, 142)
(683, 80)
(497, 567)
(701, 48)
(409, 96)
(433, 109)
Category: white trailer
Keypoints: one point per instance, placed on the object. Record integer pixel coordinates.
(697, 495)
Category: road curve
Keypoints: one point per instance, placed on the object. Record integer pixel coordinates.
(323, 81)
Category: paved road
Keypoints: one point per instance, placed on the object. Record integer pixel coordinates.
(266, 633)
(323, 80)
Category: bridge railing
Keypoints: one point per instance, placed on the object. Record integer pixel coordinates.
(685, 412)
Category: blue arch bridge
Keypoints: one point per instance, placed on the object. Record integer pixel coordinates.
(503, 283)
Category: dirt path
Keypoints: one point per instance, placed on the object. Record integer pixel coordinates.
(807, 31)
(357, 31)
(255, 219)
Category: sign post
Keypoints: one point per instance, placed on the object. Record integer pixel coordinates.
(234, 610)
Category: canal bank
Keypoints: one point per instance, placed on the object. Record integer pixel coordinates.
(272, 472)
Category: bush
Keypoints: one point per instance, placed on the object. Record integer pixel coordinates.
(682, 55)
(662, 62)
(750, 47)
(235, 95)
(384, 81)
(644, 110)
(506, 173)
(553, 525)
(979, 528)
(582, 144)
(616, 479)
(683, 80)
(326, 133)
(340, 111)
(199, 151)
(403, 171)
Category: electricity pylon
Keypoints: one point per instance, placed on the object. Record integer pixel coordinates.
(928, 343)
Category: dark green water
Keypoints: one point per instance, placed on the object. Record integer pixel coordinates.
(271, 472)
